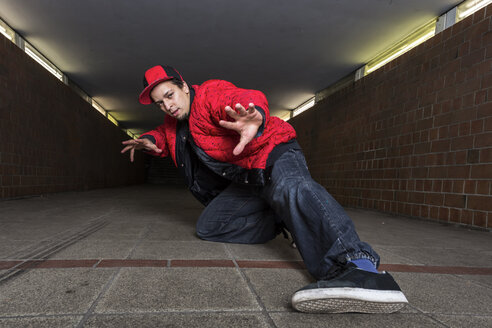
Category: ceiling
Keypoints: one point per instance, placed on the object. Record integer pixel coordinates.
(288, 49)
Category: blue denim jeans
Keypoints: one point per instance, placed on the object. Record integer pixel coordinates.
(324, 234)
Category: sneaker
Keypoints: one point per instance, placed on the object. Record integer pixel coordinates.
(353, 290)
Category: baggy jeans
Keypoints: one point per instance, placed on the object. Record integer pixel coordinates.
(324, 234)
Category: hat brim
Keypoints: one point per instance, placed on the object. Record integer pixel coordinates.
(144, 97)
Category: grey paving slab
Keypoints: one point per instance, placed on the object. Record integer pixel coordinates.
(9, 247)
(459, 321)
(483, 280)
(301, 320)
(444, 294)
(168, 250)
(276, 286)
(191, 320)
(439, 256)
(278, 249)
(96, 249)
(172, 231)
(391, 230)
(177, 289)
(390, 255)
(40, 322)
(52, 291)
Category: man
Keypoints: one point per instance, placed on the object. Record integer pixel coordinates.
(250, 172)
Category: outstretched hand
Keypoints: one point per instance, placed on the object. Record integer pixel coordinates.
(246, 123)
(137, 144)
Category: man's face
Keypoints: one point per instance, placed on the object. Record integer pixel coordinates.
(172, 99)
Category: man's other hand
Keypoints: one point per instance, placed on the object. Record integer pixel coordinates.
(137, 144)
(247, 123)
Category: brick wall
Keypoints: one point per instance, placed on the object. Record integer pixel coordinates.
(414, 137)
(50, 139)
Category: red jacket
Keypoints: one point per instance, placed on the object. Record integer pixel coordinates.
(207, 109)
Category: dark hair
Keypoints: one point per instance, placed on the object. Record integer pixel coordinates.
(177, 82)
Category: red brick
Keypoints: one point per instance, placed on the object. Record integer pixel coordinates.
(488, 124)
(484, 110)
(434, 199)
(433, 212)
(462, 143)
(482, 203)
(486, 155)
(447, 186)
(458, 186)
(454, 215)
(483, 171)
(440, 146)
(467, 217)
(458, 172)
(483, 187)
(454, 200)
(483, 140)
(444, 214)
(470, 186)
(480, 219)
(477, 126)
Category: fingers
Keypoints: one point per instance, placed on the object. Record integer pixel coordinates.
(251, 108)
(132, 153)
(232, 113)
(126, 148)
(228, 125)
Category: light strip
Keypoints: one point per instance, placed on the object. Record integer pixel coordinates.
(472, 6)
(401, 51)
(43, 63)
(99, 108)
(112, 119)
(4, 32)
(412, 40)
(310, 103)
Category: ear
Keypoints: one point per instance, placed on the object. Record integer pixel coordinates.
(186, 89)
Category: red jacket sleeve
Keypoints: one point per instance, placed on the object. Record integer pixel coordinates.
(158, 136)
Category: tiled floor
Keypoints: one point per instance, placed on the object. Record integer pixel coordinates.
(129, 257)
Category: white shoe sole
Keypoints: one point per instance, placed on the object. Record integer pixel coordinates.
(341, 300)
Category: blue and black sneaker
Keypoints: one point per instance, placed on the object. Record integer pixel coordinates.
(352, 290)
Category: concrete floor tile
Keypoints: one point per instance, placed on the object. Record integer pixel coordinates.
(172, 231)
(459, 321)
(96, 249)
(352, 320)
(276, 286)
(438, 256)
(191, 320)
(40, 322)
(389, 255)
(10, 247)
(168, 250)
(444, 294)
(278, 249)
(484, 280)
(177, 289)
(52, 291)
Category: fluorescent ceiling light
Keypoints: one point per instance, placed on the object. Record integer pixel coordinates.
(469, 7)
(98, 107)
(401, 51)
(308, 104)
(112, 119)
(4, 32)
(412, 40)
(43, 62)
